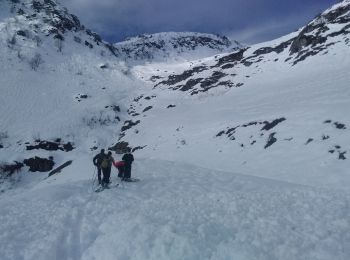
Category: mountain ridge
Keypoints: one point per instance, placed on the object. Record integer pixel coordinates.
(167, 46)
(117, 105)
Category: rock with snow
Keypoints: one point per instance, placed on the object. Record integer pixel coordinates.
(172, 46)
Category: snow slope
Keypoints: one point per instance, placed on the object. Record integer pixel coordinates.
(226, 127)
(276, 109)
(177, 211)
(242, 155)
(58, 80)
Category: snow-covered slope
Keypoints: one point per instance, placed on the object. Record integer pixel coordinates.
(173, 47)
(276, 109)
(59, 81)
(243, 155)
(177, 211)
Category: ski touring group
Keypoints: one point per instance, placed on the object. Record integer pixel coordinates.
(104, 163)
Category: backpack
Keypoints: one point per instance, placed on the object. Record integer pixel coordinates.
(119, 164)
(104, 163)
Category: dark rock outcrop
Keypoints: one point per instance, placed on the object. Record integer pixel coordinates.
(270, 125)
(129, 124)
(121, 147)
(271, 140)
(175, 79)
(231, 58)
(314, 37)
(51, 146)
(38, 164)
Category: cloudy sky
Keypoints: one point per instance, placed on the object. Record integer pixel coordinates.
(248, 21)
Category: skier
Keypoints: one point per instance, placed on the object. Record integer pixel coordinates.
(128, 158)
(106, 166)
(97, 162)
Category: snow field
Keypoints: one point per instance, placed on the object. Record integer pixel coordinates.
(177, 211)
(306, 95)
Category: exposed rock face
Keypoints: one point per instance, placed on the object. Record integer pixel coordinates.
(51, 146)
(175, 79)
(326, 30)
(47, 18)
(315, 37)
(121, 147)
(38, 164)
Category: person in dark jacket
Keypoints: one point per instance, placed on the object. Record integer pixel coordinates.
(97, 162)
(106, 166)
(128, 158)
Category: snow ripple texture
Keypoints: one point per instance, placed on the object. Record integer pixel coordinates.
(177, 211)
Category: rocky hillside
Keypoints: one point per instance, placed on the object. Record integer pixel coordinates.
(62, 88)
(31, 23)
(274, 109)
(173, 46)
(277, 106)
(226, 71)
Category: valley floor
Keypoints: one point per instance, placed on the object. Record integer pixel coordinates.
(177, 211)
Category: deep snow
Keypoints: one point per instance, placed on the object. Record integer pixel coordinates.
(202, 194)
(177, 211)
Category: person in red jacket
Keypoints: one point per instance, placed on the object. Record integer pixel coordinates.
(120, 165)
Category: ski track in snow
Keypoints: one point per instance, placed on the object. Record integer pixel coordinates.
(176, 212)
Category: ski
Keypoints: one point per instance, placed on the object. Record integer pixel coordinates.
(99, 189)
(131, 180)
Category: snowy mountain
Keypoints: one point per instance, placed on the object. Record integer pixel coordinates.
(275, 106)
(328, 29)
(63, 89)
(29, 21)
(242, 153)
(173, 46)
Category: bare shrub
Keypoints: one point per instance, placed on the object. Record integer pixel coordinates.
(102, 119)
(9, 169)
(59, 45)
(37, 40)
(11, 42)
(36, 61)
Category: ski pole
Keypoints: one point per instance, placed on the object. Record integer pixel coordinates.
(94, 179)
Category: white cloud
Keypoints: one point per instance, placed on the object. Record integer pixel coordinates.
(263, 32)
